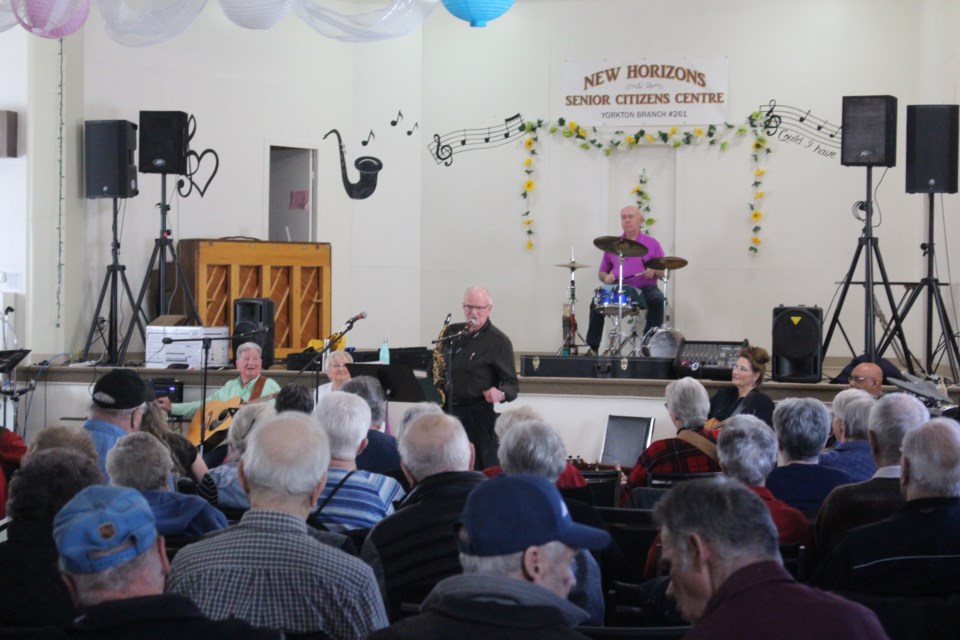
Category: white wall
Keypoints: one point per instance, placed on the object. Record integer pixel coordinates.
(13, 171)
(406, 253)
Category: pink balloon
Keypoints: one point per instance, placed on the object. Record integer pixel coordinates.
(51, 18)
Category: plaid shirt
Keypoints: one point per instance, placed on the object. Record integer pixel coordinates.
(671, 455)
(268, 571)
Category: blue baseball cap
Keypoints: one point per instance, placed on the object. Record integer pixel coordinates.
(102, 527)
(514, 511)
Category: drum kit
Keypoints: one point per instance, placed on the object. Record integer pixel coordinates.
(622, 303)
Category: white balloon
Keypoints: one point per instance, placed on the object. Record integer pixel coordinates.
(397, 19)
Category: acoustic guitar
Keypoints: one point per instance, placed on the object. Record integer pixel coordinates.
(219, 416)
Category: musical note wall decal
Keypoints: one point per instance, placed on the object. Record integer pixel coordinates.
(394, 123)
(370, 137)
(415, 126)
(798, 127)
(443, 148)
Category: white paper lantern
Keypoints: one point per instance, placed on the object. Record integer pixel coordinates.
(51, 18)
(255, 14)
(138, 23)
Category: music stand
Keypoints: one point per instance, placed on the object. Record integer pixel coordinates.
(398, 380)
(8, 362)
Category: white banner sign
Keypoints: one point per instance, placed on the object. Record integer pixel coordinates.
(645, 91)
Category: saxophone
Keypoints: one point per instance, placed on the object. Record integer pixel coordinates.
(440, 364)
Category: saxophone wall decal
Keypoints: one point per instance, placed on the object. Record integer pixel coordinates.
(368, 166)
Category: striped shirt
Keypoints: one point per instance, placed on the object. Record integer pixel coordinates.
(362, 501)
(269, 571)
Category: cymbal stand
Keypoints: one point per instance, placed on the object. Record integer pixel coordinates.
(616, 332)
(571, 336)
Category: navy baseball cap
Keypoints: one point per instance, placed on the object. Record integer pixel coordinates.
(121, 389)
(514, 511)
(102, 527)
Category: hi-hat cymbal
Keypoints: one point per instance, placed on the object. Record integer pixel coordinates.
(667, 262)
(621, 246)
(573, 266)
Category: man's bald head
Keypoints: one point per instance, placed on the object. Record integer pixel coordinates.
(432, 444)
(867, 376)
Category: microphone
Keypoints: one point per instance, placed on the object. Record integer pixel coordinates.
(446, 320)
(252, 332)
(167, 341)
(359, 316)
(8, 310)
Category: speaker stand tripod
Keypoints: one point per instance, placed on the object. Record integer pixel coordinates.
(931, 285)
(869, 241)
(158, 260)
(116, 275)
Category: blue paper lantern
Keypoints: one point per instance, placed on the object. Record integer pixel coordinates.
(477, 12)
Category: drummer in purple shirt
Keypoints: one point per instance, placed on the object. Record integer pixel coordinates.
(635, 274)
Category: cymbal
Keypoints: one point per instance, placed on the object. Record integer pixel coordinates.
(573, 266)
(667, 262)
(621, 246)
(921, 387)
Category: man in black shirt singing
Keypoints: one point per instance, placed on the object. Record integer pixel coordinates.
(484, 374)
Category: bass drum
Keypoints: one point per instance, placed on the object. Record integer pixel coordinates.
(660, 342)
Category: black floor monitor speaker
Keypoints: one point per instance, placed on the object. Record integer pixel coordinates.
(797, 344)
(932, 148)
(164, 142)
(869, 136)
(108, 147)
(254, 314)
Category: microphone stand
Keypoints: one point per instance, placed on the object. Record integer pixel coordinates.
(448, 344)
(205, 343)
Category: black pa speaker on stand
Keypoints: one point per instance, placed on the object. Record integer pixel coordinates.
(254, 314)
(108, 147)
(164, 142)
(932, 148)
(869, 131)
(797, 355)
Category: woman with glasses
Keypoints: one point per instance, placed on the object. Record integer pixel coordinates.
(744, 397)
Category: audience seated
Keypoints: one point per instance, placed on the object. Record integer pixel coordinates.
(517, 543)
(415, 547)
(113, 564)
(353, 498)
(12, 450)
(868, 377)
(60, 437)
(120, 398)
(413, 412)
(570, 477)
(693, 450)
(916, 551)
(188, 463)
(852, 505)
(220, 486)
(851, 418)
(534, 447)
(140, 461)
(802, 426)
(294, 397)
(31, 591)
(268, 569)
(380, 454)
(748, 452)
(727, 578)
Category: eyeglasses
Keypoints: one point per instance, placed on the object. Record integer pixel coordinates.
(861, 379)
(741, 368)
(473, 307)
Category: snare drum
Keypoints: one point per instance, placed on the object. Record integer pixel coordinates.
(610, 302)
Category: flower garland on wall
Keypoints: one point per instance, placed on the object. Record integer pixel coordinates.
(620, 141)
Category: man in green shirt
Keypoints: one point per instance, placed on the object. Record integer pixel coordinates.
(250, 366)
